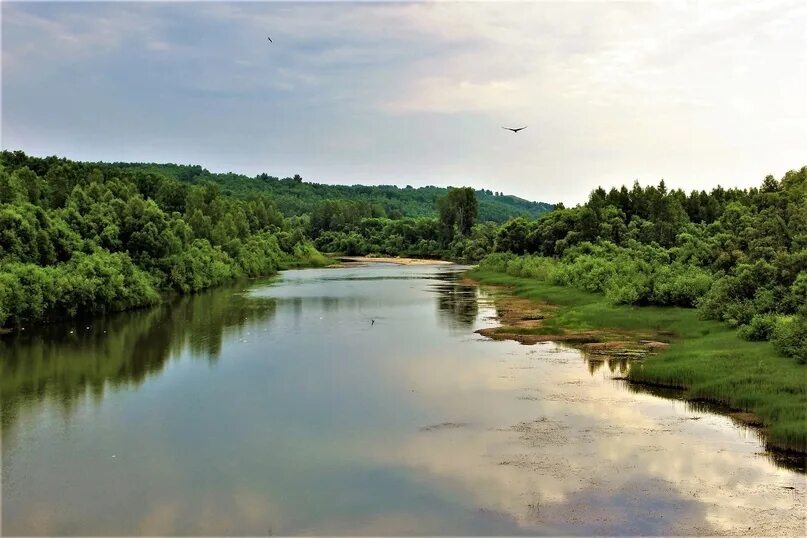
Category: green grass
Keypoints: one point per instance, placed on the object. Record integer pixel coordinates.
(707, 360)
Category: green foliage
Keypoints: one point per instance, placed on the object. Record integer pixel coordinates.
(295, 197)
(740, 256)
(760, 327)
(457, 211)
(341, 215)
(641, 275)
(514, 236)
(357, 228)
(790, 337)
(81, 238)
(476, 245)
(199, 266)
(87, 284)
(304, 254)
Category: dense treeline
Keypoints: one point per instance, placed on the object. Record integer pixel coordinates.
(355, 228)
(295, 197)
(78, 238)
(740, 256)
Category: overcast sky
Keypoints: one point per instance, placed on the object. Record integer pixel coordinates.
(697, 93)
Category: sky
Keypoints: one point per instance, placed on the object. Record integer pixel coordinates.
(696, 93)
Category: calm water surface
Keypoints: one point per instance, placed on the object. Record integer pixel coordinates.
(280, 407)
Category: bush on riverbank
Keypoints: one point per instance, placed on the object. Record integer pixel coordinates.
(633, 276)
(79, 238)
(87, 284)
(641, 276)
(789, 336)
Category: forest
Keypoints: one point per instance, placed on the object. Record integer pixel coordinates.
(82, 238)
(737, 255)
(77, 239)
(294, 196)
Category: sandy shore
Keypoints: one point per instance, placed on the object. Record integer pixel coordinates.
(396, 260)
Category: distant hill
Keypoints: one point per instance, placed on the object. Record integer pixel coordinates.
(293, 196)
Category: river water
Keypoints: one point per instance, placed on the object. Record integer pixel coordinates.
(358, 401)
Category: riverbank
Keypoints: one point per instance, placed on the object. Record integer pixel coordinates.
(126, 297)
(390, 259)
(704, 359)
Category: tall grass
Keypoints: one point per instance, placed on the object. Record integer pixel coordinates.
(305, 255)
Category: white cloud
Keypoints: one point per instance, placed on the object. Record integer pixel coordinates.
(697, 93)
(445, 95)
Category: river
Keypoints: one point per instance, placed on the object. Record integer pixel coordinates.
(358, 400)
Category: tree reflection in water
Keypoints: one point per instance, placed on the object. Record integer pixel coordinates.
(63, 362)
(457, 303)
(614, 364)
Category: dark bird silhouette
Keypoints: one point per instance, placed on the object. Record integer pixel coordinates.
(270, 39)
(516, 129)
(372, 322)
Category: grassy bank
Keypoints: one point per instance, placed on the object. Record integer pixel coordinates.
(707, 360)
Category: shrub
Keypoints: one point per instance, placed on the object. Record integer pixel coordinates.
(626, 291)
(87, 284)
(680, 285)
(790, 337)
(496, 262)
(760, 327)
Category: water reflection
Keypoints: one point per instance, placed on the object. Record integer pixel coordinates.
(613, 365)
(63, 362)
(589, 458)
(457, 302)
(358, 401)
(781, 458)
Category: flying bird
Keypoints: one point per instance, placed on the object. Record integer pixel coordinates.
(270, 39)
(515, 130)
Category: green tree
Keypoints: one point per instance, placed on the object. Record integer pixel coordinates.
(457, 211)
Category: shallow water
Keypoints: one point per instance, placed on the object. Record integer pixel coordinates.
(281, 407)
